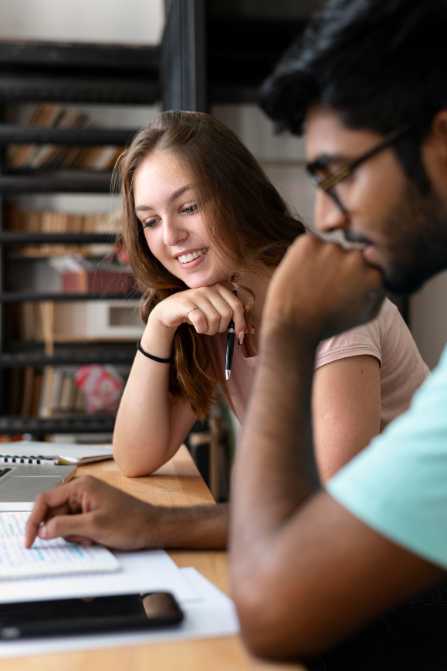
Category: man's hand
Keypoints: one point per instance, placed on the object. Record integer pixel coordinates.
(87, 510)
(321, 289)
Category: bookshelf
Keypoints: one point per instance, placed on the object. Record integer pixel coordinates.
(196, 66)
(60, 74)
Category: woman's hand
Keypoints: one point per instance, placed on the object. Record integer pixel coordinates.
(208, 309)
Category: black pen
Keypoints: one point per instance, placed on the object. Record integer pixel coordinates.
(229, 349)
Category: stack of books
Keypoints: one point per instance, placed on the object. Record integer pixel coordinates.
(80, 275)
(51, 156)
(48, 221)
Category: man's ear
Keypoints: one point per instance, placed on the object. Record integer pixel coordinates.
(438, 136)
(434, 152)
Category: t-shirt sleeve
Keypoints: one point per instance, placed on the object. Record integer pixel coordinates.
(362, 340)
(398, 485)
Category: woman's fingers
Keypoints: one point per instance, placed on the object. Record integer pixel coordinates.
(203, 316)
(208, 309)
(213, 308)
(238, 309)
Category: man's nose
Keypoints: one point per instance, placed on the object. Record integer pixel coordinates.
(173, 233)
(329, 215)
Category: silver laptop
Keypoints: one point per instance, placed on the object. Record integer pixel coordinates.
(21, 483)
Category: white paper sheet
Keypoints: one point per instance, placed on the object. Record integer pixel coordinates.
(210, 614)
(71, 451)
(52, 557)
(148, 570)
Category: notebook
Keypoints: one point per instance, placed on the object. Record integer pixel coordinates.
(53, 557)
(28, 468)
(33, 452)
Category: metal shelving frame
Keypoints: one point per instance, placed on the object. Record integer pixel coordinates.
(35, 72)
(207, 56)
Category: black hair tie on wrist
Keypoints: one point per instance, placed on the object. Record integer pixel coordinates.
(159, 359)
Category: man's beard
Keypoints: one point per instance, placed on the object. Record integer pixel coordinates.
(418, 241)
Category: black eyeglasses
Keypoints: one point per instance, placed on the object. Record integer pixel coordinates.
(319, 170)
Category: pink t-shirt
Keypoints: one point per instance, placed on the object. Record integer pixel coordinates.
(386, 338)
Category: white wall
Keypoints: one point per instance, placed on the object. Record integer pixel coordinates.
(281, 156)
(137, 21)
(429, 318)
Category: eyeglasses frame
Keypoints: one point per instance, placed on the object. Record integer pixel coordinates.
(328, 183)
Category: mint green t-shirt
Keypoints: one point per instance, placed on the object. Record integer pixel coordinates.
(398, 485)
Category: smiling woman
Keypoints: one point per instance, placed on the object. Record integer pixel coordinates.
(191, 222)
(174, 224)
(205, 230)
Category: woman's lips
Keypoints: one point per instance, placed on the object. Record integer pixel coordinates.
(191, 258)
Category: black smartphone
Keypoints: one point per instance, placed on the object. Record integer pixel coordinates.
(30, 619)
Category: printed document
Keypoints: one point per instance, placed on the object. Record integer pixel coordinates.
(52, 557)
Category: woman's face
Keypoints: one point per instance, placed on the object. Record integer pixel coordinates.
(167, 205)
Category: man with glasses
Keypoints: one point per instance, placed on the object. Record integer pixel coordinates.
(310, 566)
(327, 172)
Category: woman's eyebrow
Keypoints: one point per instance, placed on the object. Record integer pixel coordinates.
(174, 195)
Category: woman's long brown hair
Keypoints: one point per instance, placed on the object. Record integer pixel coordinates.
(247, 220)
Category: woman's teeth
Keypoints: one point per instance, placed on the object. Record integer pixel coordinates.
(187, 258)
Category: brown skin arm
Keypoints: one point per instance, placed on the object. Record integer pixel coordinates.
(305, 572)
(296, 609)
(87, 510)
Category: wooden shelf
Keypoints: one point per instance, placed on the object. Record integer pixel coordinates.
(75, 355)
(57, 55)
(35, 296)
(64, 72)
(12, 134)
(15, 424)
(12, 238)
(75, 181)
(90, 89)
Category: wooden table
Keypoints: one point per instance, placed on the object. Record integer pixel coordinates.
(177, 483)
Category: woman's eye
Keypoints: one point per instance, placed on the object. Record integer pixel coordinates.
(149, 223)
(190, 209)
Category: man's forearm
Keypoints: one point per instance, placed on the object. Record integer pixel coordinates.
(275, 468)
(194, 527)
